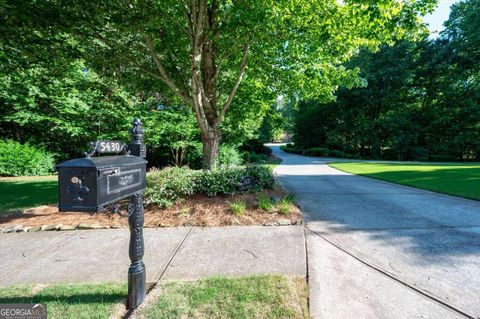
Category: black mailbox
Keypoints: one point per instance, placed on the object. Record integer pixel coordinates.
(89, 184)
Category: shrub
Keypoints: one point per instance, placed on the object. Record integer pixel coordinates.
(229, 155)
(24, 160)
(290, 148)
(419, 152)
(194, 156)
(263, 176)
(352, 156)
(168, 186)
(246, 157)
(336, 153)
(258, 158)
(443, 158)
(223, 180)
(265, 203)
(255, 146)
(316, 151)
(238, 208)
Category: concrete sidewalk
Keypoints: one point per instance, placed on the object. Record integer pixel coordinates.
(170, 253)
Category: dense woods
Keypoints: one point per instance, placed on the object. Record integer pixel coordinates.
(420, 100)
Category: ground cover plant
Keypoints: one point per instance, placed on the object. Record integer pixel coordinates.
(70, 301)
(23, 192)
(267, 296)
(454, 179)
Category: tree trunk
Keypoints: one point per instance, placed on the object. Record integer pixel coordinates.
(211, 149)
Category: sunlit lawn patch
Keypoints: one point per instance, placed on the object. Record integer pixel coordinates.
(268, 296)
(455, 179)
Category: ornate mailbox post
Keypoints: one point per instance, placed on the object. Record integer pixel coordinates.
(136, 271)
(93, 183)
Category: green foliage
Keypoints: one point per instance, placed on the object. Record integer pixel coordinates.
(171, 134)
(285, 204)
(81, 68)
(420, 100)
(24, 160)
(284, 207)
(263, 176)
(223, 180)
(273, 126)
(238, 208)
(442, 158)
(229, 155)
(316, 151)
(168, 186)
(265, 203)
(257, 158)
(290, 148)
(336, 153)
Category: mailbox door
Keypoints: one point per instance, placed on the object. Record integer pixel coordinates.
(120, 182)
(77, 189)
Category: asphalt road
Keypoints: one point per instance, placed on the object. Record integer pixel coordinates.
(380, 250)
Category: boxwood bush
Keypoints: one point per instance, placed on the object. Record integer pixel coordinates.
(316, 151)
(24, 160)
(290, 148)
(222, 180)
(170, 185)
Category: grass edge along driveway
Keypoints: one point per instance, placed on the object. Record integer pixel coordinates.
(458, 179)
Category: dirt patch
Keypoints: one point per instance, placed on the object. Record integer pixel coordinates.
(198, 210)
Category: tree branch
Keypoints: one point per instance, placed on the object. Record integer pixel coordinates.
(241, 72)
(164, 75)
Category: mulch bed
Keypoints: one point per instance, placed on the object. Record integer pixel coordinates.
(197, 210)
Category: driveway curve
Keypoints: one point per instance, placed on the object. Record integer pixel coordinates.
(381, 250)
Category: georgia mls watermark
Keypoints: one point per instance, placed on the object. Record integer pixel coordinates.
(23, 311)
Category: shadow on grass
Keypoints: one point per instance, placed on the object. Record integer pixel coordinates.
(74, 299)
(23, 194)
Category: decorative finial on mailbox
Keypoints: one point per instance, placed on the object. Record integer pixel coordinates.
(136, 132)
(136, 146)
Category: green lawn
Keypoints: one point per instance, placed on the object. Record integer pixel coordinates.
(267, 296)
(70, 301)
(247, 297)
(29, 191)
(454, 179)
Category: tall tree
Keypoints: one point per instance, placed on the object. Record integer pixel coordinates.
(201, 50)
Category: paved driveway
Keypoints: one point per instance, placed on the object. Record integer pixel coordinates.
(379, 250)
